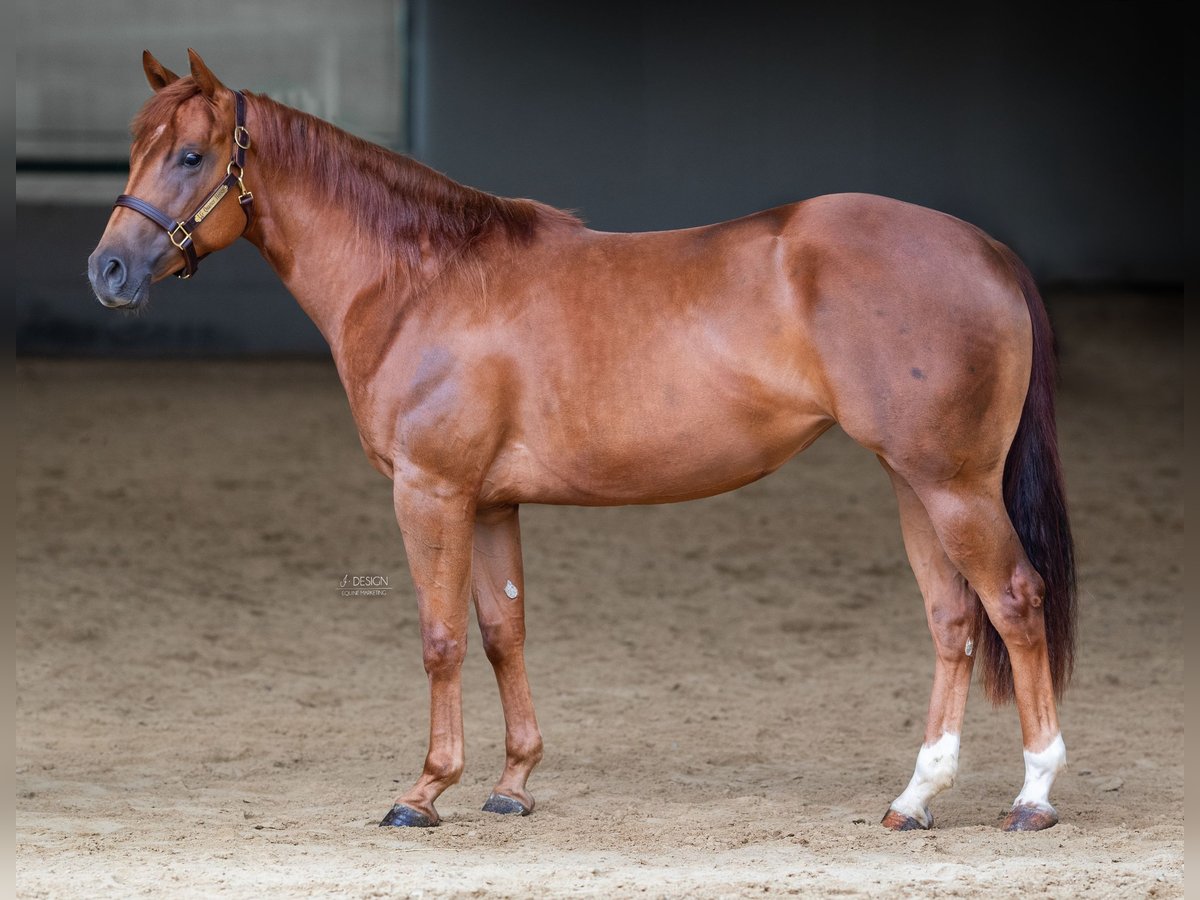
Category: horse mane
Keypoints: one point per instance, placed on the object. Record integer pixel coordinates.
(392, 198)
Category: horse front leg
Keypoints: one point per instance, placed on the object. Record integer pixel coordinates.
(498, 585)
(437, 520)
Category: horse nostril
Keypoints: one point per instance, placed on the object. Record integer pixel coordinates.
(114, 274)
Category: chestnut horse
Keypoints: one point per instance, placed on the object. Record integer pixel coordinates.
(497, 352)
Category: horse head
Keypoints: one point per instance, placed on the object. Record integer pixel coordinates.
(189, 136)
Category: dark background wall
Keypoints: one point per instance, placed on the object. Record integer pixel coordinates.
(1059, 131)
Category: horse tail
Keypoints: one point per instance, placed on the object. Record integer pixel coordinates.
(1037, 505)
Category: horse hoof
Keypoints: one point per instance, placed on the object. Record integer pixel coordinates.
(1028, 817)
(505, 806)
(898, 821)
(401, 816)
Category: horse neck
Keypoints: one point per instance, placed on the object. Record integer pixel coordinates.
(317, 245)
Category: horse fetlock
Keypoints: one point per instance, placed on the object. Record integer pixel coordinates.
(1041, 768)
(937, 763)
(524, 752)
(936, 769)
(443, 770)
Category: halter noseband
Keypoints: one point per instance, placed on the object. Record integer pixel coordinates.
(180, 232)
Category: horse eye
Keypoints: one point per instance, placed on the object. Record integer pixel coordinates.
(191, 160)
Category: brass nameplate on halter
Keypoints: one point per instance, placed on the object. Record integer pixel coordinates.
(210, 203)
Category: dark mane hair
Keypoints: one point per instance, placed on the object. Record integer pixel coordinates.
(394, 199)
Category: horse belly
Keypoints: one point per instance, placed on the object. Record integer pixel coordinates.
(658, 440)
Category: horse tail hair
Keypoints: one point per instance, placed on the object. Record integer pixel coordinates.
(1036, 501)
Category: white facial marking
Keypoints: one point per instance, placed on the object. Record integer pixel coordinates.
(510, 590)
(970, 648)
(1040, 769)
(159, 130)
(937, 764)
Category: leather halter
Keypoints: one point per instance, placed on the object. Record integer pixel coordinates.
(180, 232)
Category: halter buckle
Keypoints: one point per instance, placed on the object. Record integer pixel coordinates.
(240, 135)
(183, 241)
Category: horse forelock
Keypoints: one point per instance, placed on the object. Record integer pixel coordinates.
(160, 109)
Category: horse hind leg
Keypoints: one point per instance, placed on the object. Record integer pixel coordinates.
(952, 610)
(973, 526)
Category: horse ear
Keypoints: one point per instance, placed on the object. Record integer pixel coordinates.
(157, 74)
(209, 83)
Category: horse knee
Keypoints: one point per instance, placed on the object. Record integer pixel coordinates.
(442, 651)
(501, 640)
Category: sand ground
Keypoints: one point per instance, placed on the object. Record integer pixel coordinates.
(731, 690)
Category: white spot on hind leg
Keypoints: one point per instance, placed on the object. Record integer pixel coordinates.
(1040, 771)
(937, 765)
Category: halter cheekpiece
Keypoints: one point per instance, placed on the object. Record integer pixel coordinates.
(180, 232)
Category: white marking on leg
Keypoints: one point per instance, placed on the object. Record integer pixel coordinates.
(510, 590)
(937, 764)
(1040, 770)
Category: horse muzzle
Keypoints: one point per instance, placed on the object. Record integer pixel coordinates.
(117, 282)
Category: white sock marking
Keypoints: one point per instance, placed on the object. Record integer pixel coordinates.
(937, 764)
(1040, 769)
